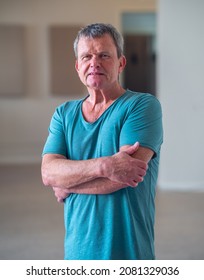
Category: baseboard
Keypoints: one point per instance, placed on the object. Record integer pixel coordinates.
(181, 186)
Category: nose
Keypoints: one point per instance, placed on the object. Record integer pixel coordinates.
(95, 61)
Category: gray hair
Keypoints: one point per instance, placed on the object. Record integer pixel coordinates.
(97, 30)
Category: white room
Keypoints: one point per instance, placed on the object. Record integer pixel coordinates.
(31, 219)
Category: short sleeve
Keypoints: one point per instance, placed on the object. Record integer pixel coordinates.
(143, 123)
(56, 143)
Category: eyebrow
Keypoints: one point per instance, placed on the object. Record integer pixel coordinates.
(89, 53)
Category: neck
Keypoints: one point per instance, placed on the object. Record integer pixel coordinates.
(98, 101)
(104, 96)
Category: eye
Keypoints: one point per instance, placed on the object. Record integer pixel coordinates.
(104, 55)
(86, 57)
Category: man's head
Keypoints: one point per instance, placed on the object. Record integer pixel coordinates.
(98, 30)
(99, 56)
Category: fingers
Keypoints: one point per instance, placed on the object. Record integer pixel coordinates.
(132, 149)
(142, 165)
(60, 194)
(60, 200)
(134, 183)
(135, 177)
(126, 169)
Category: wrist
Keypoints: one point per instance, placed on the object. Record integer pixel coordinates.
(105, 167)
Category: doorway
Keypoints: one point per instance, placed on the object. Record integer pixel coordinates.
(139, 31)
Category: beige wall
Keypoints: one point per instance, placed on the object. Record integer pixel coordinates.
(43, 12)
(24, 121)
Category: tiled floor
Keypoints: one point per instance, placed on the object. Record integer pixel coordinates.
(31, 221)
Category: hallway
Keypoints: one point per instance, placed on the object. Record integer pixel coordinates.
(31, 221)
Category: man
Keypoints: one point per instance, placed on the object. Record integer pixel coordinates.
(93, 160)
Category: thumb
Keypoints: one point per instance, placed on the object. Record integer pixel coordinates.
(132, 149)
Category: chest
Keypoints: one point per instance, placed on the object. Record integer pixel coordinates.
(94, 138)
(92, 113)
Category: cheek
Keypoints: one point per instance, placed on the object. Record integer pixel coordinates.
(81, 70)
(84, 68)
(116, 70)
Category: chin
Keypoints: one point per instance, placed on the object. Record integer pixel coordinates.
(95, 86)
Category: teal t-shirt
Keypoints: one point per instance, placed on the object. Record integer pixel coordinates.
(119, 225)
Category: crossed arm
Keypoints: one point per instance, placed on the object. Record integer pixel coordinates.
(95, 176)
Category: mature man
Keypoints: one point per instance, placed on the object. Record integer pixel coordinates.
(93, 160)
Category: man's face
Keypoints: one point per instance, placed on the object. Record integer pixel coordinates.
(98, 65)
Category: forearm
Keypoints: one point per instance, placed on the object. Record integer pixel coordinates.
(100, 175)
(57, 171)
(97, 186)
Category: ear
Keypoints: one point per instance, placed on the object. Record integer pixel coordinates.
(122, 64)
(76, 66)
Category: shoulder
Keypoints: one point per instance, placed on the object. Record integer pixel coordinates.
(67, 107)
(134, 96)
(139, 101)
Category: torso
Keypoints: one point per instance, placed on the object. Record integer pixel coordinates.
(90, 113)
(93, 221)
(96, 104)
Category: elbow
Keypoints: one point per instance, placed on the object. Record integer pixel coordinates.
(45, 181)
(48, 179)
(45, 177)
(49, 175)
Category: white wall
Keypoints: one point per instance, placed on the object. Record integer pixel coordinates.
(181, 91)
(24, 121)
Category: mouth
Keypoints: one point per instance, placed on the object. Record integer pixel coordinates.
(95, 74)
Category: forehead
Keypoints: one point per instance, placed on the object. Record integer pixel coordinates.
(103, 43)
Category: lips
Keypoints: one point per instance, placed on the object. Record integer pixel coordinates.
(95, 74)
